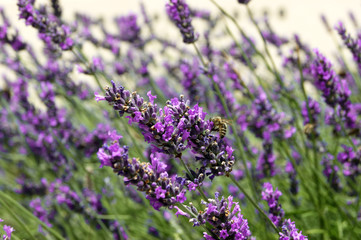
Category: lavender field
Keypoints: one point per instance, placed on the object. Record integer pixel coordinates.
(181, 123)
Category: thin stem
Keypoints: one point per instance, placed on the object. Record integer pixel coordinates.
(29, 214)
(191, 176)
(22, 224)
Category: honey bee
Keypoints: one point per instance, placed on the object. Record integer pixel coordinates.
(309, 128)
(220, 125)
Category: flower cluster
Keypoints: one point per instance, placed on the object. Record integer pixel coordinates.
(224, 215)
(325, 78)
(335, 92)
(310, 111)
(267, 124)
(8, 230)
(174, 128)
(352, 44)
(50, 29)
(351, 161)
(276, 212)
(331, 172)
(14, 40)
(244, 1)
(179, 13)
(150, 178)
(129, 30)
(290, 232)
(51, 128)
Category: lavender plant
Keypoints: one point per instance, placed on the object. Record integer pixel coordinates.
(185, 135)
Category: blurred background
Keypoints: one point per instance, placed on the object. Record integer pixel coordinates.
(287, 16)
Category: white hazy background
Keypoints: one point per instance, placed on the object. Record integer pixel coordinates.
(301, 16)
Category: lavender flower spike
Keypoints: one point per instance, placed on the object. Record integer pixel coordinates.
(290, 232)
(149, 178)
(276, 212)
(174, 128)
(325, 78)
(244, 1)
(179, 13)
(224, 216)
(8, 230)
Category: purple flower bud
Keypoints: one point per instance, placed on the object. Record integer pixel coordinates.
(276, 212)
(351, 161)
(128, 28)
(244, 1)
(290, 232)
(174, 128)
(352, 44)
(179, 13)
(50, 30)
(224, 216)
(8, 230)
(152, 179)
(325, 78)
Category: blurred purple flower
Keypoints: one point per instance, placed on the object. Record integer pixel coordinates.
(179, 13)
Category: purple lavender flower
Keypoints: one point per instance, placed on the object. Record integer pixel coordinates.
(351, 162)
(129, 30)
(8, 230)
(325, 23)
(248, 50)
(234, 76)
(56, 8)
(325, 78)
(290, 232)
(292, 174)
(274, 39)
(276, 212)
(28, 188)
(50, 31)
(331, 172)
(345, 109)
(40, 211)
(179, 13)
(149, 178)
(14, 40)
(173, 129)
(335, 92)
(353, 19)
(201, 13)
(224, 215)
(190, 80)
(352, 44)
(310, 112)
(264, 121)
(244, 1)
(216, 78)
(87, 203)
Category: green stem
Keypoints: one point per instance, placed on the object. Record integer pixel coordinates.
(22, 224)
(275, 71)
(299, 173)
(29, 214)
(134, 141)
(191, 176)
